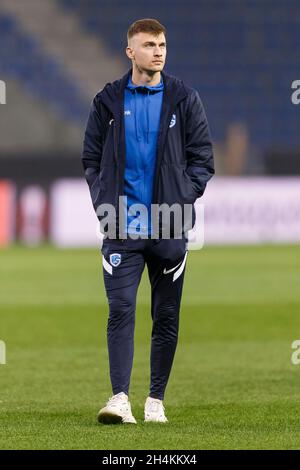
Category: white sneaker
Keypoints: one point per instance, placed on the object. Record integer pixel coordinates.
(155, 411)
(117, 410)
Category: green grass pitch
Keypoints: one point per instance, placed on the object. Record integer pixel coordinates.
(232, 385)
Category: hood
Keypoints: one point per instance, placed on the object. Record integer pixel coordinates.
(112, 94)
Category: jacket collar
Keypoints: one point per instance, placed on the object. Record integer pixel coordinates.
(112, 94)
(156, 88)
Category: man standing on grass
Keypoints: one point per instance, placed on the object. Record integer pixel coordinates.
(147, 143)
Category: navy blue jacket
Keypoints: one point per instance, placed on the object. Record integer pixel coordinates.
(184, 160)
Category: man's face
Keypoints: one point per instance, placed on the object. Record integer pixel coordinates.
(148, 52)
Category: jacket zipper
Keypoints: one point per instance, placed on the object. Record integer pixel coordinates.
(118, 164)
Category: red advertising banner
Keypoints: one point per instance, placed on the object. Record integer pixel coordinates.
(7, 215)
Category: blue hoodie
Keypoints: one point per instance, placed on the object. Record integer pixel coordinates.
(142, 109)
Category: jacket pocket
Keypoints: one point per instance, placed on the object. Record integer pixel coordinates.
(192, 191)
(97, 186)
(176, 186)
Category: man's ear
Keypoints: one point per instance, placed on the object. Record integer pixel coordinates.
(129, 52)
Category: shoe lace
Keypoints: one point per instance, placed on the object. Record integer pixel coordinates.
(115, 399)
(155, 405)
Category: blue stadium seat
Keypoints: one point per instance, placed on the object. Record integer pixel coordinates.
(22, 59)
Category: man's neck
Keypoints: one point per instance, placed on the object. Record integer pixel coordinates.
(142, 78)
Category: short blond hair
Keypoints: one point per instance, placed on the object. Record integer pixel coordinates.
(146, 25)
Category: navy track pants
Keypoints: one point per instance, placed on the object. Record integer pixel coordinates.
(123, 265)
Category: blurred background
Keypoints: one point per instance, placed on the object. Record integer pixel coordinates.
(241, 55)
(233, 383)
